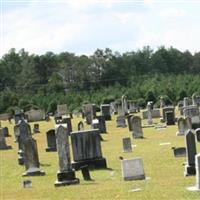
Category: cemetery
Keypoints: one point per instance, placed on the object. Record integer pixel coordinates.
(102, 154)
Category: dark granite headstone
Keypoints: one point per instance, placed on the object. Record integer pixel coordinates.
(169, 118)
(32, 164)
(65, 175)
(127, 144)
(190, 153)
(86, 148)
(179, 152)
(51, 140)
(3, 145)
(105, 111)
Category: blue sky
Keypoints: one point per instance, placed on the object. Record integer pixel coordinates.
(82, 26)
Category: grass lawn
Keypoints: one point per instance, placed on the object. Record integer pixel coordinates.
(165, 171)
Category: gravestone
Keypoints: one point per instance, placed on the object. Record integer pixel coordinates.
(186, 102)
(89, 112)
(190, 153)
(132, 107)
(179, 152)
(149, 113)
(62, 109)
(197, 164)
(127, 144)
(65, 175)
(194, 100)
(167, 109)
(86, 149)
(80, 126)
(95, 124)
(35, 115)
(3, 145)
(105, 111)
(32, 164)
(197, 133)
(136, 127)
(193, 113)
(162, 102)
(124, 105)
(18, 117)
(129, 122)
(121, 121)
(102, 124)
(23, 130)
(155, 113)
(51, 141)
(67, 120)
(113, 108)
(36, 128)
(5, 132)
(169, 118)
(132, 169)
(183, 125)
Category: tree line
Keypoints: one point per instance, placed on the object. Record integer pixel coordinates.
(28, 80)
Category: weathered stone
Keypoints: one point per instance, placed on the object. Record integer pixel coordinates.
(179, 152)
(136, 127)
(124, 105)
(167, 109)
(155, 113)
(149, 114)
(86, 148)
(3, 145)
(51, 140)
(66, 175)
(132, 169)
(129, 122)
(190, 153)
(62, 109)
(121, 121)
(35, 115)
(169, 118)
(32, 164)
(127, 144)
(102, 124)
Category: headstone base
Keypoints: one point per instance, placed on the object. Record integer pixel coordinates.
(66, 178)
(189, 170)
(141, 177)
(179, 133)
(34, 172)
(94, 163)
(50, 149)
(137, 135)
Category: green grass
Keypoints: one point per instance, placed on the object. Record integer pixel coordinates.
(165, 172)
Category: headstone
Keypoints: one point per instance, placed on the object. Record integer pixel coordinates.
(5, 132)
(183, 126)
(89, 112)
(86, 149)
(129, 122)
(35, 115)
(197, 133)
(121, 121)
(167, 109)
(95, 124)
(67, 120)
(124, 105)
(80, 126)
(193, 113)
(102, 124)
(127, 144)
(136, 127)
(179, 152)
(132, 107)
(36, 128)
(27, 184)
(194, 100)
(132, 169)
(169, 118)
(105, 111)
(190, 153)
(155, 113)
(62, 109)
(149, 120)
(51, 141)
(65, 175)
(197, 164)
(113, 108)
(18, 117)
(3, 145)
(32, 164)
(162, 102)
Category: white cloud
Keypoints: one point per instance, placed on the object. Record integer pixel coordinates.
(173, 12)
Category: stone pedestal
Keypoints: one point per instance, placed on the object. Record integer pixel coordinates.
(66, 178)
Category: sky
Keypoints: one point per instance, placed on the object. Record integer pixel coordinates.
(82, 26)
